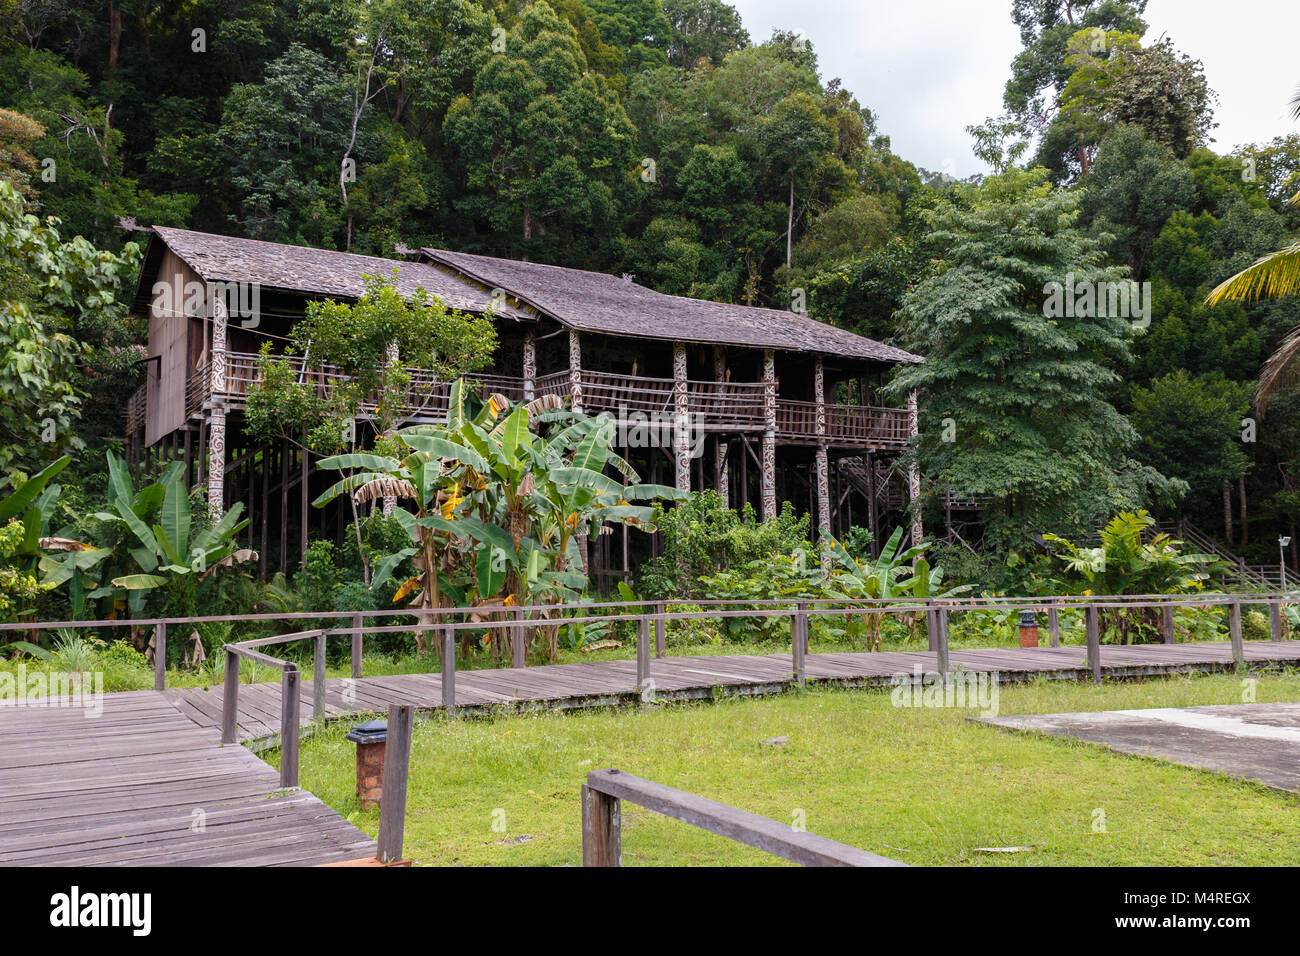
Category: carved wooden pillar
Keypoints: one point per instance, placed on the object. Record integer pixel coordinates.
(767, 480)
(681, 419)
(913, 470)
(575, 370)
(530, 364)
(391, 355)
(722, 473)
(575, 395)
(822, 461)
(217, 410)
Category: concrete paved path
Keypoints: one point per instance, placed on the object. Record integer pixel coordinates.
(1259, 742)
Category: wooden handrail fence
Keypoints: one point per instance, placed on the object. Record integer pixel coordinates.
(602, 843)
(651, 625)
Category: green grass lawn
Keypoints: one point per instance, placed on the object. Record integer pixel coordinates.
(921, 786)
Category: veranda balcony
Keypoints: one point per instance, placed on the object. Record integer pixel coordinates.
(714, 406)
(427, 397)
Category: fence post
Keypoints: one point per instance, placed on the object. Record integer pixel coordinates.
(798, 643)
(602, 824)
(1234, 633)
(160, 656)
(1167, 634)
(661, 640)
(1053, 625)
(230, 699)
(318, 679)
(1094, 642)
(397, 763)
(941, 639)
(518, 641)
(642, 652)
(356, 645)
(289, 727)
(1275, 632)
(449, 671)
(931, 626)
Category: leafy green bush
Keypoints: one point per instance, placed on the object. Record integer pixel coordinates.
(702, 537)
(688, 632)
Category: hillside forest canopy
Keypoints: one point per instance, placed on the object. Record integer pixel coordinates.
(658, 138)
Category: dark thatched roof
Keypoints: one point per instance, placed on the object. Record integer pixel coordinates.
(319, 273)
(597, 302)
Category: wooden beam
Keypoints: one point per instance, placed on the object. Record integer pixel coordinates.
(289, 685)
(397, 763)
(601, 843)
(602, 827)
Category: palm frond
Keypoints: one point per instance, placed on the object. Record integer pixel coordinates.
(1273, 276)
(1281, 371)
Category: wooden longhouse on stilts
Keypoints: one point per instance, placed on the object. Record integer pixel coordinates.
(775, 406)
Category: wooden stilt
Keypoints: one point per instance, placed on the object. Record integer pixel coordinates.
(284, 506)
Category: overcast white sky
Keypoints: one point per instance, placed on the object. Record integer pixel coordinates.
(930, 68)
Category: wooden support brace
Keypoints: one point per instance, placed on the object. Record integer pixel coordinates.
(230, 699)
(519, 641)
(642, 653)
(1094, 642)
(799, 643)
(397, 763)
(318, 679)
(449, 671)
(160, 656)
(602, 829)
(661, 636)
(356, 645)
(289, 690)
(1234, 633)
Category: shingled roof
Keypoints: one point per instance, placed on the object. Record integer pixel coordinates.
(598, 302)
(320, 273)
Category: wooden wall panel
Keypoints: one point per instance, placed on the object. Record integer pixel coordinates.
(169, 347)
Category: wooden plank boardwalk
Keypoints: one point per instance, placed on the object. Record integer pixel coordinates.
(131, 786)
(142, 784)
(608, 683)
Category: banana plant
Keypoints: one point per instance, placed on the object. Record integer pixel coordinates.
(877, 580)
(32, 502)
(1125, 564)
(153, 542)
(498, 506)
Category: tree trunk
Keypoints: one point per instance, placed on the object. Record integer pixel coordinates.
(1245, 529)
(1227, 513)
(789, 225)
(114, 35)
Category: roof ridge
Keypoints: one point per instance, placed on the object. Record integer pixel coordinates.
(797, 319)
(288, 245)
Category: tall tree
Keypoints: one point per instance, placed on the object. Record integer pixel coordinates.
(703, 30)
(1015, 391)
(546, 146)
(1039, 72)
